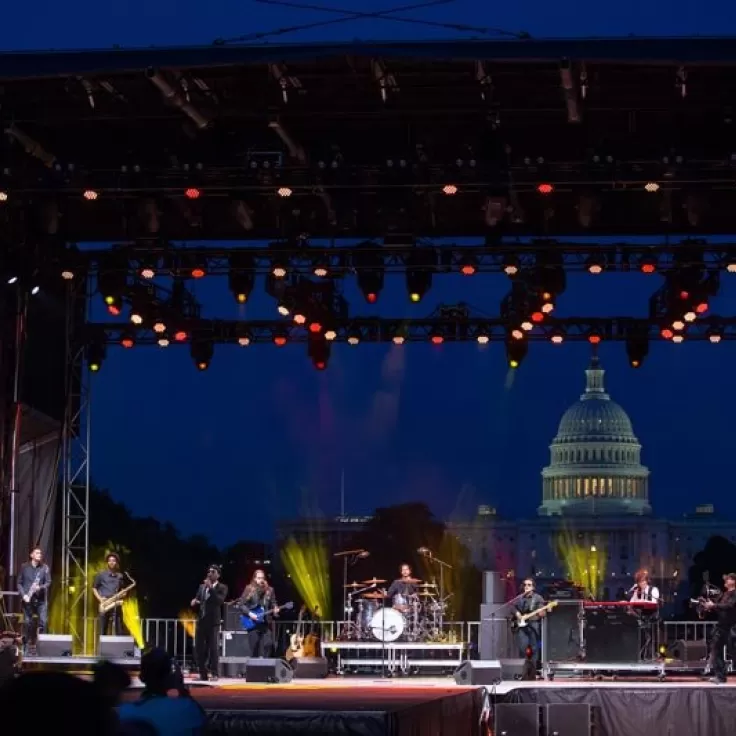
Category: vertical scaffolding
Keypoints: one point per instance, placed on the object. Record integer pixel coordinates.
(76, 474)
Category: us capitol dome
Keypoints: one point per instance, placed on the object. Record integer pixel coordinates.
(595, 465)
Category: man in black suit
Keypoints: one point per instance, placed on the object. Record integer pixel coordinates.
(208, 602)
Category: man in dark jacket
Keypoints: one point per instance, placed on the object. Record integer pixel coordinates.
(34, 581)
(208, 603)
(725, 608)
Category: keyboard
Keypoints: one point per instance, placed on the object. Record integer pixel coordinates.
(637, 605)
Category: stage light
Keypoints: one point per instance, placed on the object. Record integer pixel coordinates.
(714, 336)
(192, 193)
(127, 341)
(147, 270)
(284, 192)
(90, 195)
(511, 267)
(436, 338)
(114, 306)
(244, 341)
(3, 195)
(701, 307)
(279, 340)
(731, 266)
(678, 324)
(241, 277)
(651, 187)
(35, 289)
(594, 338)
(96, 353)
(449, 189)
(315, 327)
(557, 338)
(468, 267)
(159, 326)
(181, 336)
(320, 270)
(199, 268)
(667, 333)
(67, 274)
(202, 351)
(594, 265)
(648, 265)
(637, 349)
(418, 274)
(689, 316)
(537, 317)
(398, 340)
(330, 335)
(517, 334)
(368, 264)
(278, 270)
(527, 325)
(318, 349)
(545, 188)
(282, 309)
(137, 314)
(163, 341)
(678, 338)
(354, 337)
(12, 280)
(483, 338)
(112, 284)
(299, 318)
(516, 352)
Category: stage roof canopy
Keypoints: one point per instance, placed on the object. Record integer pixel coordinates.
(357, 140)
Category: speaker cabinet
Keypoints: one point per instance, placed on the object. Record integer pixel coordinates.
(569, 719)
(231, 621)
(494, 588)
(117, 647)
(309, 668)
(496, 640)
(690, 651)
(268, 670)
(54, 645)
(478, 672)
(517, 719)
(611, 636)
(236, 643)
(517, 669)
(562, 634)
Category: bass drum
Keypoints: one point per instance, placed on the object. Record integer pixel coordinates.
(388, 624)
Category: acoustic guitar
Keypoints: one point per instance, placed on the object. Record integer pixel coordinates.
(296, 641)
(311, 646)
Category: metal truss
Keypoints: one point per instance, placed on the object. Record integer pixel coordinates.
(453, 327)
(338, 260)
(75, 483)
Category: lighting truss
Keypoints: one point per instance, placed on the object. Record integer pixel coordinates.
(449, 329)
(301, 257)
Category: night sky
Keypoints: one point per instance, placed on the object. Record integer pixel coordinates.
(262, 435)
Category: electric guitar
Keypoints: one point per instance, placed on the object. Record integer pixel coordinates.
(296, 642)
(521, 621)
(261, 613)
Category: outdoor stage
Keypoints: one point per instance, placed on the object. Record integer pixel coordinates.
(438, 707)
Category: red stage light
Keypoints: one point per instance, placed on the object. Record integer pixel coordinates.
(127, 342)
(371, 297)
(90, 195)
(594, 339)
(198, 272)
(114, 309)
(192, 193)
(684, 294)
(437, 339)
(467, 270)
(180, 335)
(701, 308)
(315, 327)
(279, 340)
(545, 188)
(648, 268)
(537, 316)
(320, 365)
(667, 333)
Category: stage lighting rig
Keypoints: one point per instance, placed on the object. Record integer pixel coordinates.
(241, 277)
(318, 349)
(637, 344)
(112, 281)
(96, 352)
(202, 350)
(369, 265)
(516, 351)
(420, 264)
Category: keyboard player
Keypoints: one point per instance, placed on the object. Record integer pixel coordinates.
(643, 590)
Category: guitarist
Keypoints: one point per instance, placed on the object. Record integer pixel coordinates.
(258, 593)
(725, 608)
(208, 603)
(529, 636)
(106, 584)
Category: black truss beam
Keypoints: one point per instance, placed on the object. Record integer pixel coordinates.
(446, 258)
(451, 329)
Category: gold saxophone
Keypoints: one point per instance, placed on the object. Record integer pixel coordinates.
(116, 600)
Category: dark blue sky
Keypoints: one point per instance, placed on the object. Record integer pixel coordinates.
(261, 434)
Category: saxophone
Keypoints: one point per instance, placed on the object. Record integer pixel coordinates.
(28, 597)
(116, 600)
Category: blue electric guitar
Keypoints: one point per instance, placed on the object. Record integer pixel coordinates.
(248, 623)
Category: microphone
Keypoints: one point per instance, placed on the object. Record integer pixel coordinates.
(424, 551)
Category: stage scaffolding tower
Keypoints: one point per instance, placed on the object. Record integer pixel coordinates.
(76, 473)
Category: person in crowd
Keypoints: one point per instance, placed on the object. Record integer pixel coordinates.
(180, 715)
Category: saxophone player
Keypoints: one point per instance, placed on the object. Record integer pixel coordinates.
(34, 581)
(107, 583)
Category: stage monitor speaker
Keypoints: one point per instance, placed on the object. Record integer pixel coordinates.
(494, 588)
(117, 647)
(517, 669)
(236, 643)
(517, 719)
(690, 651)
(569, 719)
(54, 645)
(478, 672)
(268, 670)
(309, 668)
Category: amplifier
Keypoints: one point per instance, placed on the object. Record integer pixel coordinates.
(231, 620)
(562, 634)
(235, 644)
(611, 636)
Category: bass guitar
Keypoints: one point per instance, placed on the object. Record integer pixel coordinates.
(260, 613)
(522, 621)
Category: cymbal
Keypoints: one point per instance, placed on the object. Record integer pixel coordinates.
(411, 581)
(426, 594)
(374, 596)
(375, 581)
(428, 585)
(353, 585)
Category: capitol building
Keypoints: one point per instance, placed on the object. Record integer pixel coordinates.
(594, 525)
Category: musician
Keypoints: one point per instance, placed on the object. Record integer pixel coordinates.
(530, 636)
(258, 593)
(725, 608)
(34, 581)
(405, 586)
(208, 603)
(643, 590)
(107, 583)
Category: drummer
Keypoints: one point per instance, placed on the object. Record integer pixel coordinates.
(402, 590)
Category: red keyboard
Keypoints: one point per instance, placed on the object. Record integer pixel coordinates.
(640, 605)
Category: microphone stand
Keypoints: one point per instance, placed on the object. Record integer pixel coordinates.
(443, 566)
(492, 617)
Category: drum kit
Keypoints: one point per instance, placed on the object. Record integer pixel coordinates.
(371, 616)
